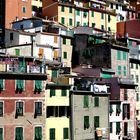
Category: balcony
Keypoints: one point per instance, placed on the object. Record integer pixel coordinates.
(125, 81)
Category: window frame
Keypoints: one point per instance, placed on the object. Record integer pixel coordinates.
(24, 9)
(22, 131)
(21, 114)
(2, 132)
(35, 132)
(52, 138)
(36, 113)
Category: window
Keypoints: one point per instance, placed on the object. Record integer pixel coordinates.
(102, 15)
(111, 5)
(38, 108)
(52, 92)
(19, 85)
(52, 133)
(109, 18)
(119, 55)
(93, 24)
(132, 65)
(19, 133)
(85, 14)
(1, 134)
(54, 73)
(1, 84)
(1, 109)
(38, 86)
(19, 109)
(84, 24)
(70, 22)
(110, 109)
(119, 70)
(116, 6)
(96, 121)
(124, 70)
(70, 9)
(92, 13)
(23, 9)
(38, 133)
(124, 55)
(102, 27)
(65, 133)
(125, 94)
(86, 122)
(85, 101)
(126, 111)
(65, 55)
(109, 29)
(17, 52)
(78, 12)
(118, 109)
(63, 92)
(78, 23)
(62, 8)
(118, 128)
(64, 40)
(111, 127)
(137, 66)
(137, 96)
(11, 36)
(62, 20)
(96, 101)
(137, 78)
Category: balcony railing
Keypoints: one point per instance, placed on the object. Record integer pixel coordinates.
(22, 69)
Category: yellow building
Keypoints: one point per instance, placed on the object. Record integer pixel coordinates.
(81, 13)
(57, 106)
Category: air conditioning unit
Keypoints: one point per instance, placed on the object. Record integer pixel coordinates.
(73, 88)
(10, 68)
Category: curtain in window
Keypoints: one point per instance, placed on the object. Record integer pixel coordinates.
(38, 85)
(38, 133)
(86, 122)
(86, 101)
(19, 133)
(20, 85)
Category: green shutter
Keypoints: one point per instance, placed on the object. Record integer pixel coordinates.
(124, 70)
(118, 126)
(38, 133)
(86, 101)
(17, 52)
(65, 55)
(19, 133)
(92, 13)
(1, 108)
(24, 9)
(52, 92)
(64, 40)
(65, 133)
(86, 122)
(22, 66)
(96, 121)
(110, 108)
(70, 9)
(1, 133)
(1, 84)
(102, 15)
(124, 55)
(62, 8)
(109, 18)
(63, 92)
(110, 127)
(118, 108)
(52, 134)
(38, 85)
(119, 55)
(62, 20)
(119, 70)
(137, 97)
(78, 12)
(70, 22)
(96, 101)
(20, 85)
(54, 73)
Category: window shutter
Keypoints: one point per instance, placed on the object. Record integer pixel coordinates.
(1, 134)
(124, 70)
(110, 109)
(1, 108)
(65, 133)
(52, 134)
(54, 73)
(96, 121)
(38, 132)
(52, 92)
(19, 133)
(96, 101)
(110, 127)
(86, 122)
(1, 84)
(63, 92)
(119, 55)
(124, 55)
(17, 51)
(118, 109)
(86, 101)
